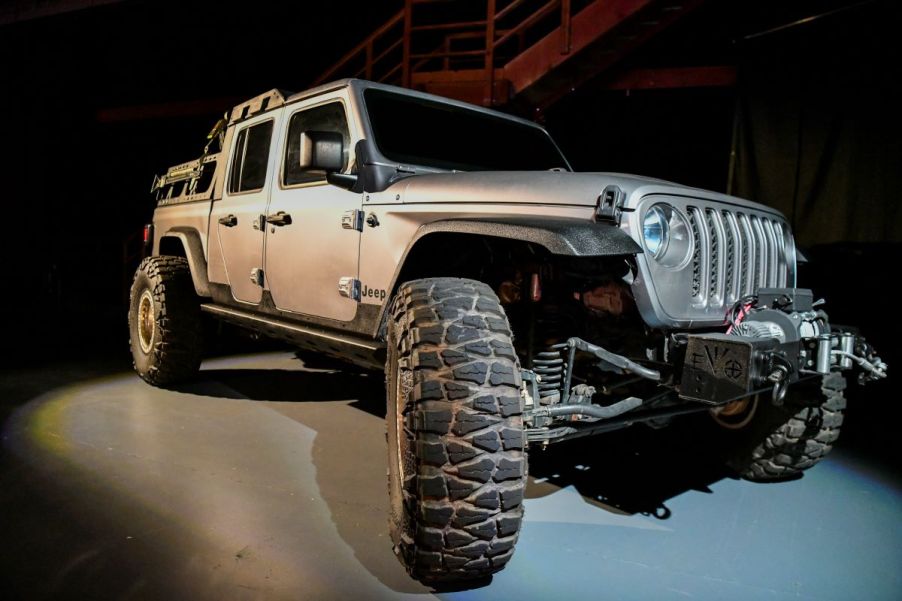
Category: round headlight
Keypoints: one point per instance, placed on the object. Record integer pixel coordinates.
(666, 235)
(790, 254)
(654, 231)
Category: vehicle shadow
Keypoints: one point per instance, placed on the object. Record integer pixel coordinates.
(631, 471)
(289, 386)
(347, 411)
(634, 471)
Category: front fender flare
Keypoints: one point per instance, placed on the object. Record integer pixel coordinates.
(559, 236)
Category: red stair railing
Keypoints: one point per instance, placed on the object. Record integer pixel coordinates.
(399, 49)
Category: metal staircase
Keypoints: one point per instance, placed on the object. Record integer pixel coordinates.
(496, 52)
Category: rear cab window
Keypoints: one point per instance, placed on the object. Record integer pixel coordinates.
(250, 158)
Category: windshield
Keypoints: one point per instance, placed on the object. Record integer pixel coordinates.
(414, 131)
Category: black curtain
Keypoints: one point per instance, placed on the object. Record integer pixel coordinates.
(818, 131)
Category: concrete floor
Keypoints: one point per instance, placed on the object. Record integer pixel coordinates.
(266, 480)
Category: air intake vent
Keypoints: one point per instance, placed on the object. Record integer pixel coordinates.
(696, 253)
(734, 254)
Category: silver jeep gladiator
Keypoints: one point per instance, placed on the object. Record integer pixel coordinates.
(510, 301)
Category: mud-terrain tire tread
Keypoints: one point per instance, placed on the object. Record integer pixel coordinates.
(463, 428)
(803, 440)
(178, 344)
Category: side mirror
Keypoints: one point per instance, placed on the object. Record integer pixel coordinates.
(321, 150)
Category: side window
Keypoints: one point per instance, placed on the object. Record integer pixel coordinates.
(328, 117)
(250, 158)
(237, 158)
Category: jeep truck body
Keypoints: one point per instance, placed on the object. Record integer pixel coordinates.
(510, 300)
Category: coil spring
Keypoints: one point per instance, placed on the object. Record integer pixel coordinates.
(549, 365)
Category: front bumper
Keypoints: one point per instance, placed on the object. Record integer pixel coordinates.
(778, 343)
(777, 339)
(719, 368)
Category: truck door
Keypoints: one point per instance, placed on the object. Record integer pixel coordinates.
(307, 248)
(238, 214)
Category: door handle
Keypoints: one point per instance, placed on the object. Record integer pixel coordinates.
(228, 221)
(281, 218)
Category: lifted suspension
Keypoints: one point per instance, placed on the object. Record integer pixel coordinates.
(567, 432)
(576, 401)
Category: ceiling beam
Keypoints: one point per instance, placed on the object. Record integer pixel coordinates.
(670, 78)
(28, 10)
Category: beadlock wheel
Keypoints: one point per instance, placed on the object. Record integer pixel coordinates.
(147, 323)
(736, 415)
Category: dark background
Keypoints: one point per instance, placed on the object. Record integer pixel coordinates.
(97, 101)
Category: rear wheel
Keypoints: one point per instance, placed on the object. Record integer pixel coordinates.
(779, 442)
(456, 444)
(164, 321)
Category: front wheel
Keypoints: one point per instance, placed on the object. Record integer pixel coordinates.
(780, 442)
(456, 444)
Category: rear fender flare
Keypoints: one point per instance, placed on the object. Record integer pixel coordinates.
(194, 253)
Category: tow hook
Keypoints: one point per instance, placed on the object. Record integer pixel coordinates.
(780, 378)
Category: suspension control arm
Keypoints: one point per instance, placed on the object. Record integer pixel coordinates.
(614, 359)
(596, 411)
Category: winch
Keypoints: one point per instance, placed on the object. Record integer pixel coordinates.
(773, 339)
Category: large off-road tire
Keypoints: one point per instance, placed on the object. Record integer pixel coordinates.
(164, 321)
(780, 442)
(457, 461)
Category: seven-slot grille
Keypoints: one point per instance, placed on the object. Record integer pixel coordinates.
(734, 254)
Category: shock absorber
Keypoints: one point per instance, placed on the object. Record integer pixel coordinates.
(549, 359)
(549, 365)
